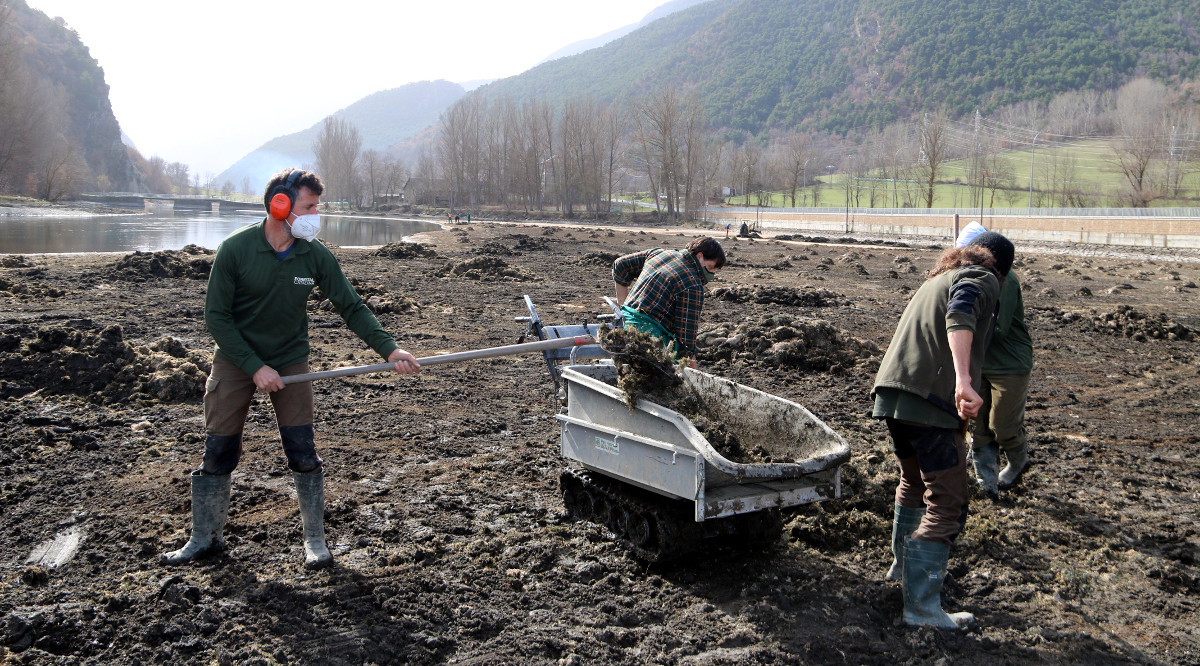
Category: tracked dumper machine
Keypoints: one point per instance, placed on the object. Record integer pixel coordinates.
(654, 480)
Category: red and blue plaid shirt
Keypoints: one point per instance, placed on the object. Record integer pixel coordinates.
(667, 286)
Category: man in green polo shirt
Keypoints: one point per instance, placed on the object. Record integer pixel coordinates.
(256, 311)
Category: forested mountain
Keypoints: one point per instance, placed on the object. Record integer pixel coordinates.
(662, 10)
(56, 122)
(382, 120)
(835, 65)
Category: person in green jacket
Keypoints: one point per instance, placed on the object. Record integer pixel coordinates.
(926, 390)
(256, 310)
(1007, 368)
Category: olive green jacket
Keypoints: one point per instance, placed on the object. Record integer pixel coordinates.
(918, 359)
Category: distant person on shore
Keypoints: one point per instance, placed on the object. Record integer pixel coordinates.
(926, 390)
(1007, 368)
(727, 226)
(661, 292)
(255, 309)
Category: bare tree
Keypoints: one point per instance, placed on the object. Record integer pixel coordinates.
(795, 159)
(933, 138)
(177, 175)
(338, 148)
(59, 172)
(611, 128)
(667, 124)
(372, 168)
(1141, 111)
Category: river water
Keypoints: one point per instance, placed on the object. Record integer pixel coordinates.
(151, 233)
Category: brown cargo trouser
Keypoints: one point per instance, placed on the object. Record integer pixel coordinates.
(933, 474)
(229, 392)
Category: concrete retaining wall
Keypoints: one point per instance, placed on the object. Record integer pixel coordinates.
(1164, 232)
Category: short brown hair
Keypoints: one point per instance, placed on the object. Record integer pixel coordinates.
(709, 247)
(307, 179)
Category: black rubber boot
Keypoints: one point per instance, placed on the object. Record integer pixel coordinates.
(1018, 462)
(924, 573)
(210, 508)
(987, 462)
(905, 521)
(310, 491)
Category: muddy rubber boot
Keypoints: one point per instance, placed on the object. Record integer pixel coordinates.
(904, 522)
(1018, 462)
(310, 491)
(924, 573)
(987, 461)
(210, 508)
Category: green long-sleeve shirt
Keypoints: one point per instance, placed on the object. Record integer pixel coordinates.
(1011, 351)
(256, 305)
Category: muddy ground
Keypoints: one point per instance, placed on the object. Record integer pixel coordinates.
(451, 540)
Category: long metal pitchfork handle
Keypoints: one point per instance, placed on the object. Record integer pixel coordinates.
(487, 352)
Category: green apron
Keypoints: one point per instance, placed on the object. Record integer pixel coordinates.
(650, 326)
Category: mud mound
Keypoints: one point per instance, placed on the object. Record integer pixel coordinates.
(378, 300)
(1124, 322)
(192, 262)
(521, 243)
(1130, 323)
(495, 250)
(601, 258)
(402, 250)
(27, 290)
(83, 359)
(846, 240)
(784, 341)
(778, 295)
(15, 261)
(486, 268)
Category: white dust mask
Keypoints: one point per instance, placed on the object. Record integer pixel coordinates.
(305, 226)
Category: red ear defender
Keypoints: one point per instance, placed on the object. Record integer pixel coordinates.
(283, 197)
(281, 206)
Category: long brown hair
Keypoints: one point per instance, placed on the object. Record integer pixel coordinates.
(956, 257)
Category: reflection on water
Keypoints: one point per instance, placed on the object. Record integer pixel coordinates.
(126, 233)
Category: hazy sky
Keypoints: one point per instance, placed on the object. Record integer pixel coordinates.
(204, 83)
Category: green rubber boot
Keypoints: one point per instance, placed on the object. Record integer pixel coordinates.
(210, 508)
(987, 461)
(1018, 462)
(924, 573)
(904, 522)
(310, 491)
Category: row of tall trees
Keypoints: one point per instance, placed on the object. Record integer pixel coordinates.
(579, 156)
(352, 177)
(584, 155)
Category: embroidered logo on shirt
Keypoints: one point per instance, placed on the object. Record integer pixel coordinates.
(306, 281)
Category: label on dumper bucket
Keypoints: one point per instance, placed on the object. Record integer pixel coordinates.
(607, 446)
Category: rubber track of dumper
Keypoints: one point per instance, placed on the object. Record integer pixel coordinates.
(673, 531)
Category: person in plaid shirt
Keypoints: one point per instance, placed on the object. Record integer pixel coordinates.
(661, 292)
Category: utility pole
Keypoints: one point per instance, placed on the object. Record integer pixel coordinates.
(894, 155)
(1032, 159)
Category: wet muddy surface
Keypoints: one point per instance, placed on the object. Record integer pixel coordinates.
(444, 515)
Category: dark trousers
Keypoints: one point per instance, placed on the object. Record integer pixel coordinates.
(933, 474)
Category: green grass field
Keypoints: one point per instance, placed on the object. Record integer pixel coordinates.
(1088, 167)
